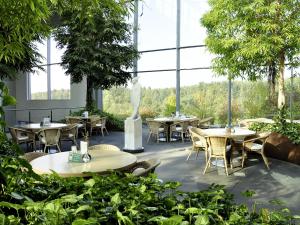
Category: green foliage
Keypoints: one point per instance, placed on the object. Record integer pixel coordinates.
(252, 39)
(246, 35)
(118, 199)
(170, 105)
(281, 126)
(249, 100)
(97, 38)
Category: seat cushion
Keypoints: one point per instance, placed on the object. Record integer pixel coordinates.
(256, 147)
(199, 144)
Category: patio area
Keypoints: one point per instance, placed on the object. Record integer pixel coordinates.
(280, 183)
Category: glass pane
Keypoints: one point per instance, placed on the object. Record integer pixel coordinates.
(42, 49)
(157, 24)
(192, 33)
(38, 84)
(56, 53)
(195, 58)
(60, 83)
(158, 96)
(157, 60)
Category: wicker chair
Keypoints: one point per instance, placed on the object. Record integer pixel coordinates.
(144, 168)
(92, 123)
(69, 133)
(104, 147)
(217, 149)
(21, 136)
(49, 137)
(194, 123)
(199, 142)
(256, 145)
(102, 125)
(204, 123)
(29, 156)
(156, 128)
(180, 128)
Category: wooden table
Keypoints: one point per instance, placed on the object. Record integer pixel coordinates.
(37, 126)
(102, 161)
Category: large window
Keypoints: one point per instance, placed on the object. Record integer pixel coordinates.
(51, 83)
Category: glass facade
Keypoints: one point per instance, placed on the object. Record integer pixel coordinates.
(52, 83)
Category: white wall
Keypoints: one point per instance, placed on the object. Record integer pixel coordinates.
(78, 95)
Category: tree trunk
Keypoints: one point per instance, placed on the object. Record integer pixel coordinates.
(272, 83)
(281, 91)
(89, 95)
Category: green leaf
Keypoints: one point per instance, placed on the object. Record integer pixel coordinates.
(90, 183)
(8, 100)
(116, 200)
(192, 210)
(202, 220)
(17, 196)
(83, 208)
(89, 221)
(11, 205)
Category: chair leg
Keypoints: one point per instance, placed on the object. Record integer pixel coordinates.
(182, 137)
(189, 155)
(197, 153)
(106, 130)
(265, 160)
(243, 157)
(149, 138)
(57, 145)
(102, 132)
(225, 165)
(207, 164)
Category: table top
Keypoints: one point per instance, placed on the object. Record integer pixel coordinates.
(238, 132)
(37, 126)
(173, 119)
(102, 160)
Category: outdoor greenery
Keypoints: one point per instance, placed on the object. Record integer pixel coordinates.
(281, 126)
(97, 37)
(254, 39)
(55, 94)
(26, 198)
(249, 100)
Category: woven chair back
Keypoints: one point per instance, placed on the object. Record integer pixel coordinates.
(198, 134)
(154, 125)
(70, 129)
(13, 134)
(73, 120)
(49, 136)
(29, 156)
(217, 145)
(194, 123)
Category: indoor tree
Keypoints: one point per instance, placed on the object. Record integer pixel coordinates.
(250, 37)
(97, 37)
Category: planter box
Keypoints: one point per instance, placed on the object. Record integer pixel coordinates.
(280, 147)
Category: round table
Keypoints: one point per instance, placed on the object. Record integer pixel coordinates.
(237, 133)
(37, 126)
(102, 161)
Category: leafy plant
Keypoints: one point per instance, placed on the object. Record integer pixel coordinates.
(281, 126)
